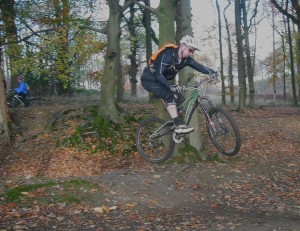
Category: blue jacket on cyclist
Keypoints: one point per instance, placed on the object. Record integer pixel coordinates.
(156, 76)
(22, 89)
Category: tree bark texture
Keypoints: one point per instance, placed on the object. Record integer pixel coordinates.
(240, 55)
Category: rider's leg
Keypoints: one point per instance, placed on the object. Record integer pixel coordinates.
(180, 126)
(170, 101)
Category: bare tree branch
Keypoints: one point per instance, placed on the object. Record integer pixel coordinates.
(152, 10)
(103, 31)
(24, 39)
(285, 12)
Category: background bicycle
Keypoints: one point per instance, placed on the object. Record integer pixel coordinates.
(14, 100)
(155, 138)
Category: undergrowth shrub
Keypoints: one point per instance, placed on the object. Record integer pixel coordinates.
(98, 133)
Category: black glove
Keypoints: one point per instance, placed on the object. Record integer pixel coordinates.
(213, 74)
(176, 89)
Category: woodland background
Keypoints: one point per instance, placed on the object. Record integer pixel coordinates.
(71, 163)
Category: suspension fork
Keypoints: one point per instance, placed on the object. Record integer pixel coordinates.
(205, 107)
(205, 104)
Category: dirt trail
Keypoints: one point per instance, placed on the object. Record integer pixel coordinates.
(257, 190)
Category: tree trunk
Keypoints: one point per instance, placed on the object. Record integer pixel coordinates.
(120, 84)
(108, 104)
(166, 18)
(133, 69)
(274, 77)
(147, 24)
(248, 56)
(230, 66)
(296, 20)
(4, 116)
(184, 27)
(14, 49)
(294, 92)
(221, 54)
(238, 28)
(62, 67)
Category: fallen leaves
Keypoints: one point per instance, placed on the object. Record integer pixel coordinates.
(104, 208)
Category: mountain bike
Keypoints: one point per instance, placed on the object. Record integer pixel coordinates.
(155, 138)
(14, 100)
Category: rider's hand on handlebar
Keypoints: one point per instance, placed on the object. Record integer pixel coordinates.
(177, 89)
(214, 74)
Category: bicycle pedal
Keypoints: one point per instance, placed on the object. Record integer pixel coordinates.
(178, 137)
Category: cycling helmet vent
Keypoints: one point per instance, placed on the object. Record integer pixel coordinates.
(189, 41)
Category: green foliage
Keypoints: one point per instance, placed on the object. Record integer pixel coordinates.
(25, 194)
(17, 194)
(216, 157)
(57, 54)
(99, 134)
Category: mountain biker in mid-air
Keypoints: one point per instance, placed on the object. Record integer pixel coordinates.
(164, 67)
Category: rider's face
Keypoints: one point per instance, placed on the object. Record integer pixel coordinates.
(187, 51)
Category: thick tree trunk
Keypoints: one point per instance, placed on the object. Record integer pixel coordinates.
(166, 20)
(293, 79)
(184, 27)
(4, 116)
(108, 104)
(10, 29)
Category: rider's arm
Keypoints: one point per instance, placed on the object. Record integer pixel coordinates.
(197, 66)
(21, 88)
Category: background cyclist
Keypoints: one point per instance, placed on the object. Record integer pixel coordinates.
(22, 90)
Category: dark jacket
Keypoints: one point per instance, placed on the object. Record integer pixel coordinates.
(166, 66)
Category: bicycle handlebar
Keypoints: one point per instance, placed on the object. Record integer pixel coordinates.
(198, 84)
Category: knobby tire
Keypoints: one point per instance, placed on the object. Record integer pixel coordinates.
(155, 150)
(227, 138)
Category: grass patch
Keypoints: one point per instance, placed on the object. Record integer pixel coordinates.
(70, 192)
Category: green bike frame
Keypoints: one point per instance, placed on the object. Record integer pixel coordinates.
(188, 106)
(193, 100)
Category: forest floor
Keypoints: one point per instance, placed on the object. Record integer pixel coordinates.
(46, 186)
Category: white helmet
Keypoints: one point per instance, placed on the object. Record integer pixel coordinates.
(189, 41)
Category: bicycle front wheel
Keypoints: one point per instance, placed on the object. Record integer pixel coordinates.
(223, 132)
(154, 149)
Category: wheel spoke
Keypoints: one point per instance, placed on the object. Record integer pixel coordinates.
(223, 132)
(157, 149)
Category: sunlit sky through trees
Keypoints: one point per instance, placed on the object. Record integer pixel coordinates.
(205, 23)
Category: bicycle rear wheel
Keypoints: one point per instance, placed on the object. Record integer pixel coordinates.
(154, 150)
(12, 102)
(223, 132)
